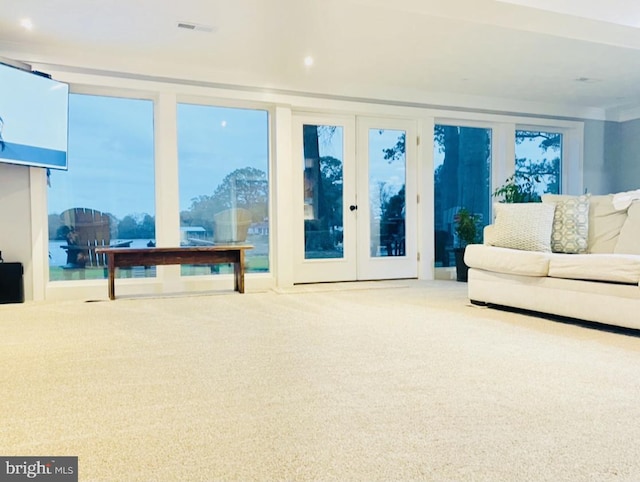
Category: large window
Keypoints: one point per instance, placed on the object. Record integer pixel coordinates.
(223, 156)
(539, 160)
(462, 181)
(106, 198)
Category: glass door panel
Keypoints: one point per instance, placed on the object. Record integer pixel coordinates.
(462, 162)
(355, 214)
(387, 197)
(323, 148)
(324, 176)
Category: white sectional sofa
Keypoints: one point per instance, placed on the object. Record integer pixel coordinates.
(572, 256)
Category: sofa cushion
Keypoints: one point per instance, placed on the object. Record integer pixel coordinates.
(629, 239)
(505, 260)
(607, 224)
(618, 268)
(570, 225)
(605, 221)
(525, 226)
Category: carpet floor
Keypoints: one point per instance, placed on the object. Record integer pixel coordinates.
(395, 381)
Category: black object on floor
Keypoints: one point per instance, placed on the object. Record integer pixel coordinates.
(11, 283)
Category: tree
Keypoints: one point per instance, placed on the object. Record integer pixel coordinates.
(392, 204)
(461, 181)
(544, 173)
(392, 221)
(548, 140)
(128, 227)
(201, 212)
(55, 223)
(332, 187)
(396, 152)
(318, 229)
(147, 228)
(448, 140)
(141, 226)
(246, 188)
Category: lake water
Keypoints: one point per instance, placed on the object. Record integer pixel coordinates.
(58, 256)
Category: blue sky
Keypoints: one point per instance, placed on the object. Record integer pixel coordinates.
(380, 169)
(215, 141)
(111, 153)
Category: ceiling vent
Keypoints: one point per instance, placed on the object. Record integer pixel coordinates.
(587, 80)
(195, 26)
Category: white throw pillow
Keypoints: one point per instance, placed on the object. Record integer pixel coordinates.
(525, 226)
(570, 224)
(629, 239)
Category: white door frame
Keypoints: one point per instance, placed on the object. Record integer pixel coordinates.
(357, 262)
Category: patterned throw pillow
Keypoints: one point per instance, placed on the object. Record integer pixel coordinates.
(605, 222)
(525, 226)
(571, 225)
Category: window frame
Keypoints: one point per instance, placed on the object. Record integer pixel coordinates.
(503, 153)
(167, 92)
(167, 211)
(209, 101)
(571, 162)
(503, 150)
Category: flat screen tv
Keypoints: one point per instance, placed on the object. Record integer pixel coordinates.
(34, 113)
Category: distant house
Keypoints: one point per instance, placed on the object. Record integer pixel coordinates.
(190, 233)
(261, 228)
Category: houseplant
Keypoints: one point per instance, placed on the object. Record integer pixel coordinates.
(467, 231)
(518, 188)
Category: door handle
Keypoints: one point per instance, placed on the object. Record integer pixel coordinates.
(353, 207)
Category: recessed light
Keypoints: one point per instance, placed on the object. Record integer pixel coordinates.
(223, 123)
(308, 61)
(26, 24)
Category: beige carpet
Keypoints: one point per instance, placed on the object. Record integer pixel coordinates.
(401, 382)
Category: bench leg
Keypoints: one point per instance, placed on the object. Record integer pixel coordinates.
(238, 272)
(112, 277)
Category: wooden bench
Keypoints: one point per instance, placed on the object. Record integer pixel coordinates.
(219, 254)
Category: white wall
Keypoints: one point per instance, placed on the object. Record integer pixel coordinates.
(600, 152)
(626, 171)
(15, 220)
(612, 156)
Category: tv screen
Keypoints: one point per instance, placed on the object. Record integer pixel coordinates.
(34, 113)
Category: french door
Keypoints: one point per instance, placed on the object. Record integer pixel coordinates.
(355, 198)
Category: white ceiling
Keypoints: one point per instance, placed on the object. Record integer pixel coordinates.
(621, 12)
(453, 52)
